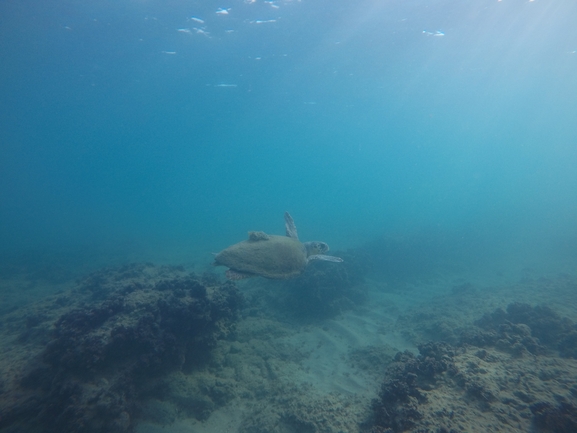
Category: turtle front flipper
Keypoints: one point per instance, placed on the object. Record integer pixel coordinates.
(323, 257)
(291, 229)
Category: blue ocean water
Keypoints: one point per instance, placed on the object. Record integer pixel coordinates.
(149, 127)
(431, 143)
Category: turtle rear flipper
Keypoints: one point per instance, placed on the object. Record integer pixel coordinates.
(323, 257)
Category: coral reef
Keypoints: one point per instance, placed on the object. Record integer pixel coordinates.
(505, 374)
(523, 328)
(397, 408)
(134, 324)
(143, 346)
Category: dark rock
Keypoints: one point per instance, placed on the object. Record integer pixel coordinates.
(522, 329)
(145, 322)
(524, 397)
(545, 323)
(397, 408)
(477, 390)
(479, 338)
(568, 344)
(557, 419)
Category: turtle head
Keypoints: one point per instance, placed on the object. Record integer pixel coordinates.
(316, 247)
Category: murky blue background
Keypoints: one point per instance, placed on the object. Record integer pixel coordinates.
(130, 129)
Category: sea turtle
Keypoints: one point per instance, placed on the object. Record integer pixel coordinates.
(271, 256)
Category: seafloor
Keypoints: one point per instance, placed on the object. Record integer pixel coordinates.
(388, 341)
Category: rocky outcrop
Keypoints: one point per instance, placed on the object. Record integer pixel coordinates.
(134, 324)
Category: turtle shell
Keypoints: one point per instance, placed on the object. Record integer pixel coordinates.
(270, 256)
